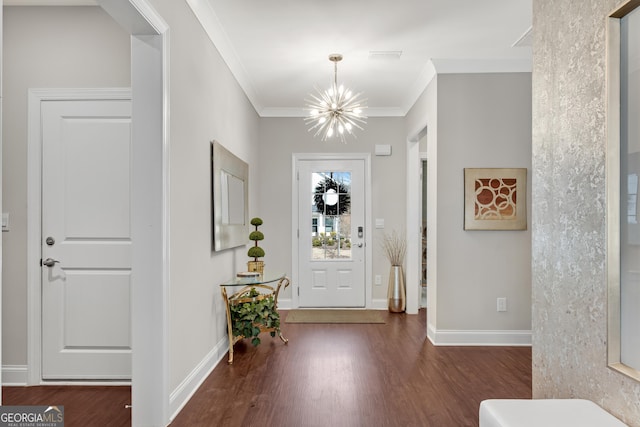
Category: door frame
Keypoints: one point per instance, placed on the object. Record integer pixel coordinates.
(414, 227)
(34, 214)
(297, 157)
(150, 212)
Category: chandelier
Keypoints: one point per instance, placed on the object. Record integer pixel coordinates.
(335, 111)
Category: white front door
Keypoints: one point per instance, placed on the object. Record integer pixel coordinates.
(331, 220)
(86, 240)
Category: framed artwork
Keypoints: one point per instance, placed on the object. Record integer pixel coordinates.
(495, 198)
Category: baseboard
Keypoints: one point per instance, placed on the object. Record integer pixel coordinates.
(479, 338)
(181, 395)
(15, 375)
(285, 304)
(379, 304)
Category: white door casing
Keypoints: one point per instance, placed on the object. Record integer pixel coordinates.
(86, 190)
(331, 271)
(150, 209)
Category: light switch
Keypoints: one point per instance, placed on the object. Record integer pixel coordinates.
(379, 222)
(5, 221)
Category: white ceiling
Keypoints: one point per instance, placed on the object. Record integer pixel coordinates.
(278, 49)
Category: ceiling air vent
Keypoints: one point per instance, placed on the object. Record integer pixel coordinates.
(385, 54)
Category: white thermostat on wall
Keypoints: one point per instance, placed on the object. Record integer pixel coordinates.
(383, 149)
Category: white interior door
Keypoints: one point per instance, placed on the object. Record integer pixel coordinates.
(331, 219)
(86, 239)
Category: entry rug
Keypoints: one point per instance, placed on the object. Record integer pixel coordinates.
(334, 316)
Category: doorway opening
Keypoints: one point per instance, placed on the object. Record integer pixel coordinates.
(423, 234)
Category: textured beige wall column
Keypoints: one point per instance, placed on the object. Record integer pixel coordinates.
(569, 206)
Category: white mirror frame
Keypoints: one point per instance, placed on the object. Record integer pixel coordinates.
(613, 190)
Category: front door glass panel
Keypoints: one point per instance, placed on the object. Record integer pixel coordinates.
(331, 215)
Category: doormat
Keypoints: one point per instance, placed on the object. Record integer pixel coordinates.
(334, 316)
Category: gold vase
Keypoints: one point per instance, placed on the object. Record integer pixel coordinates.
(256, 266)
(396, 293)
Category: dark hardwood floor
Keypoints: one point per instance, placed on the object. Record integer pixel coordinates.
(357, 375)
(83, 406)
(328, 375)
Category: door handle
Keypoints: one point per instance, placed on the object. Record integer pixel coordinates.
(359, 245)
(50, 262)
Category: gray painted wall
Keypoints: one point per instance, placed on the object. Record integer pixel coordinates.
(474, 120)
(569, 230)
(484, 121)
(206, 103)
(44, 47)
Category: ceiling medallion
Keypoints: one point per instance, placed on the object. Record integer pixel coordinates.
(335, 111)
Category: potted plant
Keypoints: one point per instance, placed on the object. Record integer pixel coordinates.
(395, 247)
(256, 314)
(256, 251)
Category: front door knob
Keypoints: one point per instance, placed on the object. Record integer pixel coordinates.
(49, 262)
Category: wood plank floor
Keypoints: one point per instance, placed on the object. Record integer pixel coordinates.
(357, 375)
(328, 375)
(83, 406)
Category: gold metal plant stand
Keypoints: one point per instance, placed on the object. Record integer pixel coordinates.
(238, 288)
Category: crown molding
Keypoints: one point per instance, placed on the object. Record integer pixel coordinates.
(209, 21)
(301, 112)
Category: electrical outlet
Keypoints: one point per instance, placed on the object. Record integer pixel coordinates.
(378, 279)
(502, 304)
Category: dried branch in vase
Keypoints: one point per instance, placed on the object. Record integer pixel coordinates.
(394, 245)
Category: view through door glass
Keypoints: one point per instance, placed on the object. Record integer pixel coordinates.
(331, 215)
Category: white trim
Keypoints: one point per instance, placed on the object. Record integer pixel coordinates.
(285, 304)
(427, 74)
(479, 338)
(379, 304)
(34, 209)
(189, 386)
(414, 226)
(150, 44)
(301, 112)
(14, 375)
(150, 225)
(368, 241)
(207, 17)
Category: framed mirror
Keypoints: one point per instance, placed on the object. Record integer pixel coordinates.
(230, 184)
(623, 171)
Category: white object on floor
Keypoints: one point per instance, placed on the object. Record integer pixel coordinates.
(545, 412)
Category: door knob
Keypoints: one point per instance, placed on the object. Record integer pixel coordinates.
(359, 245)
(49, 262)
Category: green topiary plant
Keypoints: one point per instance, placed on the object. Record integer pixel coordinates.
(256, 251)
